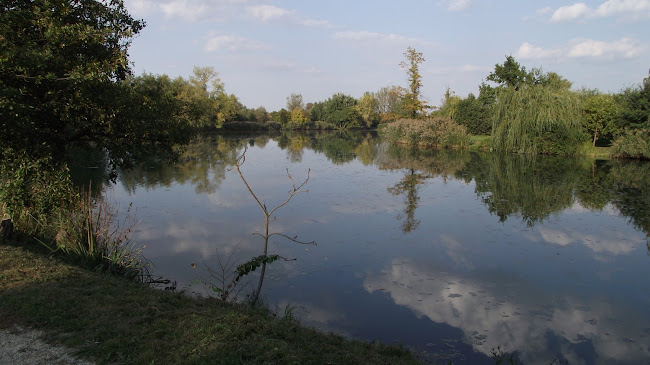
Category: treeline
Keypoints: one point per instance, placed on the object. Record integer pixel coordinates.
(536, 112)
(527, 110)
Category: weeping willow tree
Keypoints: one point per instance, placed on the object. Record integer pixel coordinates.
(537, 119)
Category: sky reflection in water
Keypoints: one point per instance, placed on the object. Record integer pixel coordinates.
(452, 252)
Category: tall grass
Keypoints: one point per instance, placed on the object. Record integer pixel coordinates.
(92, 235)
(38, 196)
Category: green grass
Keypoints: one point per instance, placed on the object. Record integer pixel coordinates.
(599, 153)
(480, 143)
(112, 320)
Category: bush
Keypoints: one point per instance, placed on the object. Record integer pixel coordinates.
(38, 195)
(633, 143)
(433, 132)
(32, 190)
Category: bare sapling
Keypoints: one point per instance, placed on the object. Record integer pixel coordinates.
(265, 259)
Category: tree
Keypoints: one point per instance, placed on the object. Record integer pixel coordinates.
(227, 108)
(474, 115)
(295, 101)
(635, 101)
(317, 112)
(537, 119)
(600, 114)
(298, 116)
(369, 109)
(61, 63)
(449, 104)
(261, 115)
(282, 116)
(341, 110)
(411, 103)
(510, 74)
(389, 100)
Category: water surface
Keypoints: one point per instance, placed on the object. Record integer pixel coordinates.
(450, 252)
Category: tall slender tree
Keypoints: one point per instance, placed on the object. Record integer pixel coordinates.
(411, 104)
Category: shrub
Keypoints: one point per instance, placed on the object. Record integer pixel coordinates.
(433, 132)
(38, 195)
(633, 143)
(31, 190)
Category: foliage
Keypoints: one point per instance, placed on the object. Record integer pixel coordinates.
(537, 119)
(295, 101)
(633, 143)
(412, 105)
(32, 191)
(449, 105)
(317, 112)
(510, 74)
(60, 67)
(39, 197)
(341, 110)
(473, 114)
(298, 117)
(369, 109)
(282, 116)
(389, 99)
(635, 102)
(600, 113)
(93, 237)
(432, 132)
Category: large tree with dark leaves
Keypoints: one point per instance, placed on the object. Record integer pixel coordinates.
(62, 69)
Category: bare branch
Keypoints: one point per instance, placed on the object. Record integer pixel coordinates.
(293, 192)
(238, 163)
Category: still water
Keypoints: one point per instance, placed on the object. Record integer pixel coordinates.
(452, 253)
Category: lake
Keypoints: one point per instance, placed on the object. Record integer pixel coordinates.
(452, 253)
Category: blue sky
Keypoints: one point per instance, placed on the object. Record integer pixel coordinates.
(264, 50)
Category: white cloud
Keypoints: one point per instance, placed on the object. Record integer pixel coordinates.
(186, 9)
(528, 51)
(365, 36)
(189, 10)
(215, 41)
(458, 5)
(140, 7)
(583, 48)
(633, 9)
(269, 13)
(589, 48)
(618, 7)
(571, 12)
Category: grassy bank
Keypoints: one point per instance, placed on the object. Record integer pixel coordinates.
(111, 320)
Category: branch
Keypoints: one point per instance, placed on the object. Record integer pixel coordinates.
(295, 190)
(239, 162)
